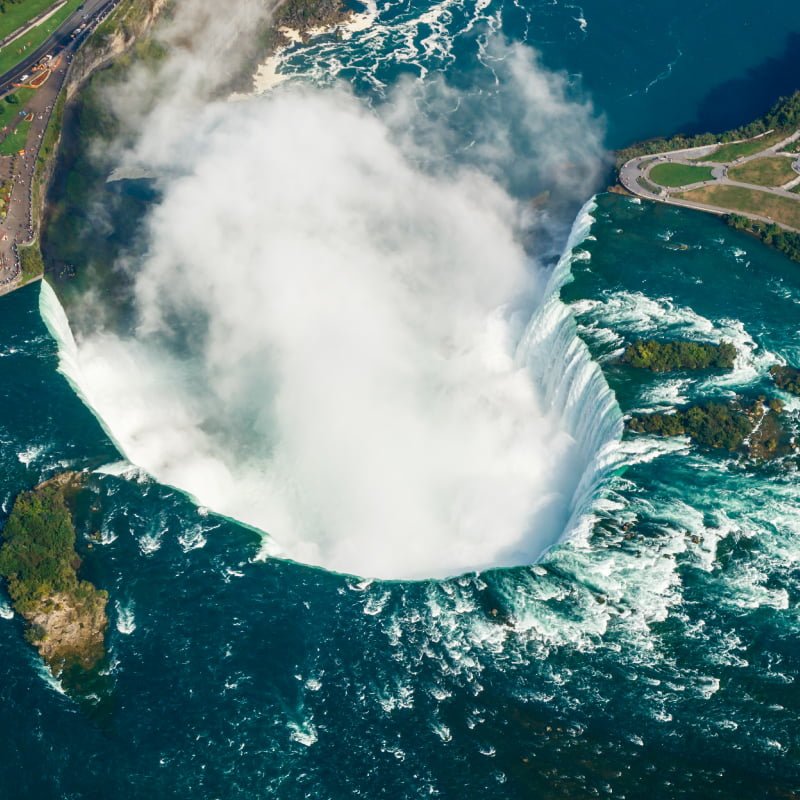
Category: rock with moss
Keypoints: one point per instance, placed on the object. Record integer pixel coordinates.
(753, 430)
(66, 616)
(679, 355)
(786, 378)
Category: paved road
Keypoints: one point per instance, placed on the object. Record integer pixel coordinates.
(60, 38)
(17, 228)
(639, 168)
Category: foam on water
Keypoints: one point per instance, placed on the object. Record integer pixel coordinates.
(126, 622)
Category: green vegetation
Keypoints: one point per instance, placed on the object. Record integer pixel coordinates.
(730, 152)
(45, 158)
(38, 555)
(15, 14)
(72, 243)
(714, 424)
(670, 356)
(15, 141)
(773, 171)
(786, 378)
(645, 184)
(753, 430)
(18, 97)
(30, 262)
(11, 113)
(679, 174)
(13, 53)
(6, 188)
(773, 235)
(304, 14)
(783, 118)
(783, 210)
(39, 563)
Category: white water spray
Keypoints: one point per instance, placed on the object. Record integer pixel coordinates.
(332, 346)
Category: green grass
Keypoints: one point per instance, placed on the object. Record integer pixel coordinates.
(730, 152)
(15, 140)
(782, 210)
(31, 262)
(17, 15)
(764, 171)
(645, 184)
(679, 174)
(13, 53)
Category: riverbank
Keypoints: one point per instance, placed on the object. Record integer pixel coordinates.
(753, 182)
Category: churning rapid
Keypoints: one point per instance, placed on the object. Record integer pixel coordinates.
(335, 345)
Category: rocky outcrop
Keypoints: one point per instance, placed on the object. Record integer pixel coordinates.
(131, 20)
(69, 630)
(66, 616)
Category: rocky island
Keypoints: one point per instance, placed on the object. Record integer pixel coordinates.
(678, 355)
(786, 378)
(66, 616)
(753, 430)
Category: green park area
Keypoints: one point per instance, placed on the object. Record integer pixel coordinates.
(13, 53)
(730, 152)
(15, 140)
(679, 174)
(15, 14)
(11, 107)
(750, 201)
(774, 171)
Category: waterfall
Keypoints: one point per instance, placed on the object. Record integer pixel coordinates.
(572, 384)
(139, 406)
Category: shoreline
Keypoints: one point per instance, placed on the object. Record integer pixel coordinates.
(266, 75)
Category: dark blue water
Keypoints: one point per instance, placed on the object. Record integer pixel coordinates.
(655, 655)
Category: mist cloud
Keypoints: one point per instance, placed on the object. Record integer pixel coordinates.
(328, 318)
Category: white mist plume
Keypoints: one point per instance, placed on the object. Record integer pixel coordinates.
(327, 335)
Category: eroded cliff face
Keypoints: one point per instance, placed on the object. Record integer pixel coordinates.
(132, 20)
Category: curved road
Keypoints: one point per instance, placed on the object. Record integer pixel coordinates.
(639, 169)
(59, 40)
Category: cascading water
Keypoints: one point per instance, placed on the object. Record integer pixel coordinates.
(572, 383)
(573, 395)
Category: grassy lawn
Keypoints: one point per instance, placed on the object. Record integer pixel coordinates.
(679, 174)
(15, 140)
(22, 95)
(18, 14)
(764, 171)
(736, 198)
(13, 53)
(729, 152)
(645, 184)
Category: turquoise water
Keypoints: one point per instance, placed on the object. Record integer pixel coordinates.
(654, 654)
